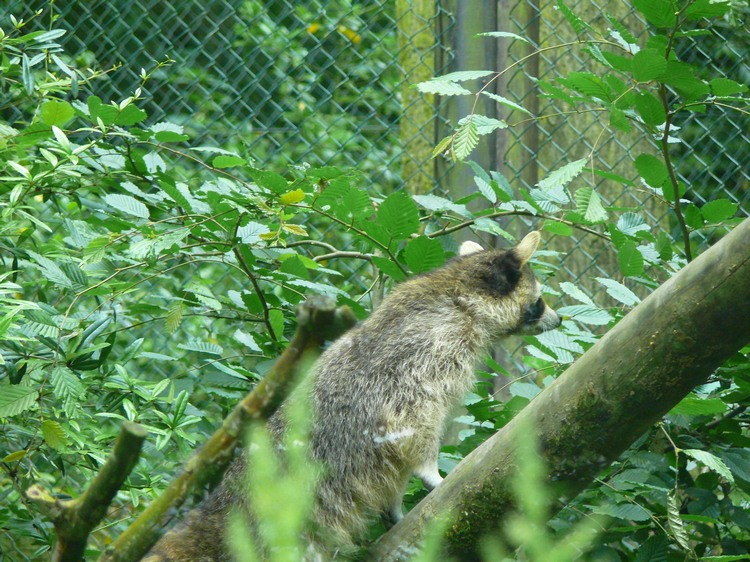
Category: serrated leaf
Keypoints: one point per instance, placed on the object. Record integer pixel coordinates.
(627, 511)
(389, 268)
(586, 314)
(201, 347)
(442, 88)
(442, 146)
(463, 75)
(227, 161)
(631, 223)
(589, 84)
(650, 109)
(693, 405)
(291, 197)
(54, 435)
(15, 455)
(486, 125)
(711, 461)
(506, 102)
(435, 203)
(589, 203)
(619, 292)
(295, 229)
(129, 116)
(648, 64)
(424, 254)
(630, 259)
(719, 210)
(707, 9)
(578, 25)
(693, 217)
(504, 35)
(562, 176)
(559, 228)
(571, 290)
(251, 233)
(51, 271)
(398, 214)
(127, 204)
(276, 319)
(67, 387)
(676, 526)
(651, 169)
(16, 399)
(726, 87)
(174, 317)
(466, 140)
(659, 13)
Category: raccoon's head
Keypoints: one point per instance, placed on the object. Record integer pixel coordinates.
(502, 289)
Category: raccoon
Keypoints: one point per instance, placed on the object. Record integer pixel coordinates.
(381, 394)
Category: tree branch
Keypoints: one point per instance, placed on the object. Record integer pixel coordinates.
(75, 519)
(318, 320)
(626, 382)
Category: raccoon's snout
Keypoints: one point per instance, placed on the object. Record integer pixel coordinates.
(539, 318)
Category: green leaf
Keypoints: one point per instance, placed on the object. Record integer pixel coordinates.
(719, 210)
(398, 214)
(16, 399)
(466, 140)
(651, 169)
(559, 228)
(711, 461)
(571, 290)
(54, 435)
(226, 161)
(506, 102)
(202, 347)
(589, 203)
(67, 387)
(650, 109)
(463, 75)
(55, 112)
(169, 132)
(586, 314)
(681, 76)
(51, 271)
(589, 84)
(707, 9)
(483, 224)
(174, 317)
(676, 525)
(619, 120)
(630, 259)
(424, 254)
(435, 203)
(389, 268)
(442, 88)
(578, 25)
(627, 511)
(659, 13)
(726, 87)
(130, 115)
(693, 405)
(503, 34)
(631, 224)
(276, 319)
(619, 292)
(562, 176)
(693, 217)
(648, 64)
(126, 204)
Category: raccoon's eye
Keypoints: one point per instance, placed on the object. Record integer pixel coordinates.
(534, 312)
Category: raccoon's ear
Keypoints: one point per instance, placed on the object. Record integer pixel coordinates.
(469, 247)
(526, 247)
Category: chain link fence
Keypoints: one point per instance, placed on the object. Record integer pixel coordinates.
(327, 83)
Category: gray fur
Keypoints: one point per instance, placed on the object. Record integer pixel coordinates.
(382, 393)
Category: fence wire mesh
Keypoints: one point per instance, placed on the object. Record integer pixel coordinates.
(323, 82)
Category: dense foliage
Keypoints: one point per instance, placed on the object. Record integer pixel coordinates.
(112, 223)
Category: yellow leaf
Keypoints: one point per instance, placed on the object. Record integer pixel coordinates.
(15, 456)
(292, 197)
(295, 229)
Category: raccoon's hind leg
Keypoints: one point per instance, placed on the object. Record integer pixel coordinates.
(428, 473)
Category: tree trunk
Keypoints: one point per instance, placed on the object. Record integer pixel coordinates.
(634, 375)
